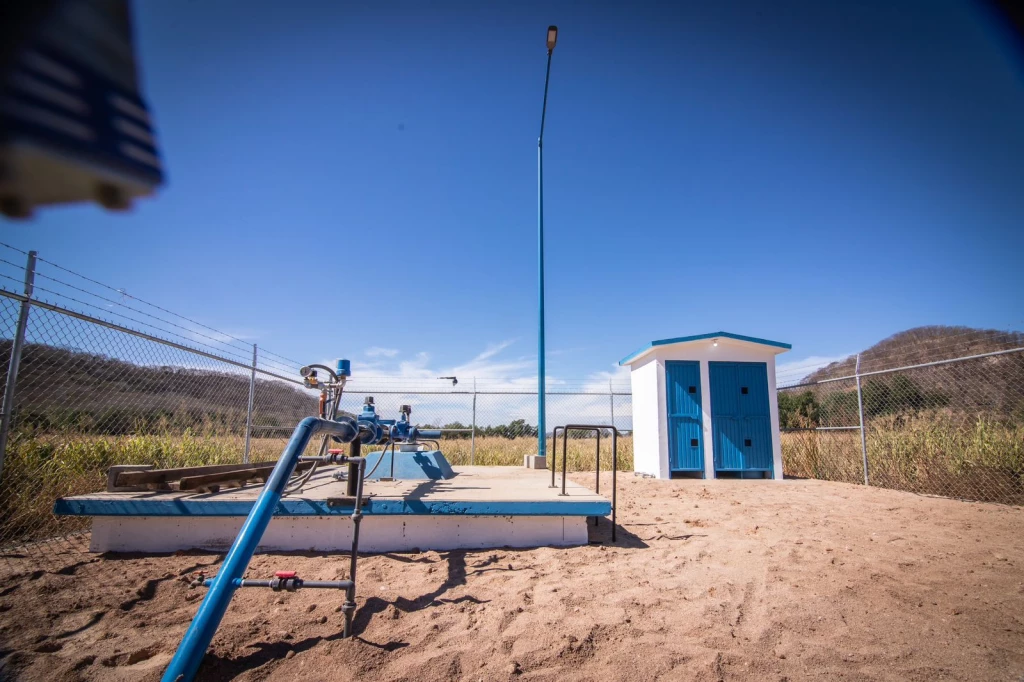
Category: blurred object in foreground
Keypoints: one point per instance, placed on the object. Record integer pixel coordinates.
(73, 125)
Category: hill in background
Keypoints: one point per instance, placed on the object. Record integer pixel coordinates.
(61, 388)
(920, 345)
(992, 385)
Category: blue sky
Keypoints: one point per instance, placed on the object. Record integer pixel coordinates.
(360, 179)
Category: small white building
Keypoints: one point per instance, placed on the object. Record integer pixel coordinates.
(706, 405)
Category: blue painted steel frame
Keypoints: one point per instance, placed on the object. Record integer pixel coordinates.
(200, 633)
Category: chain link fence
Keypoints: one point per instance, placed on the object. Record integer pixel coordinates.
(103, 378)
(949, 427)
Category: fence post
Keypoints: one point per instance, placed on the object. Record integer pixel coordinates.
(611, 402)
(16, 346)
(472, 446)
(860, 411)
(248, 415)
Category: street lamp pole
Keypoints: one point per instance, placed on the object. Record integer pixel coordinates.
(541, 409)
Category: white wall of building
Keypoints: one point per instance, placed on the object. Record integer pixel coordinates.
(650, 411)
(647, 399)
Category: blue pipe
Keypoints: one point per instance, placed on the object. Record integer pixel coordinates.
(185, 664)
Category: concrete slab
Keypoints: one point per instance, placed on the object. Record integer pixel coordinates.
(480, 507)
(481, 491)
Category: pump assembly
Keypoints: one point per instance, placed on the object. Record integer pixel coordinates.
(367, 428)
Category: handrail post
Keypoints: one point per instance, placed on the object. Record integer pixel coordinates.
(565, 447)
(597, 468)
(615, 459)
(615, 468)
(554, 452)
(15, 362)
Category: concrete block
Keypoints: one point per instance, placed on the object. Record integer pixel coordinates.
(535, 462)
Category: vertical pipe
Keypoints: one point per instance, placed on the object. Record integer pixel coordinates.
(597, 466)
(472, 445)
(248, 415)
(351, 483)
(542, 434)
(860, 411)
(615, 468)
(16, 347)
(565, 446)
(349, 606)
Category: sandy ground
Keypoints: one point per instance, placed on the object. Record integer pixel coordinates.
(721, 580)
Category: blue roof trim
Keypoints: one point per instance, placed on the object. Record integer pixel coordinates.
(154, 506)
(713, 335)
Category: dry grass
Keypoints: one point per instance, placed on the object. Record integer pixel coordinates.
(935, 453)
(39, 468)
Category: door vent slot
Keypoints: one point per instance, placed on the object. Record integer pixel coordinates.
(747, 443)
(744, 390)
(693, 442)
(693, 389)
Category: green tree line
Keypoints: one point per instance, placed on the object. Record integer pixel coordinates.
(893, 395)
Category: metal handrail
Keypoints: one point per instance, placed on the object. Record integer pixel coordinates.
(565, 447)
(554, 450)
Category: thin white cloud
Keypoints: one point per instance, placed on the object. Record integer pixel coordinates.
(493, 350)
(507, 385)
(492, 372)
(599, 381)
(378, 352)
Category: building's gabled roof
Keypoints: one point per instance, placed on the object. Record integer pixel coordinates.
(636, 355)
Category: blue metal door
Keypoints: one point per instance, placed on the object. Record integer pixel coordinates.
(740, 416)
(685, 443)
